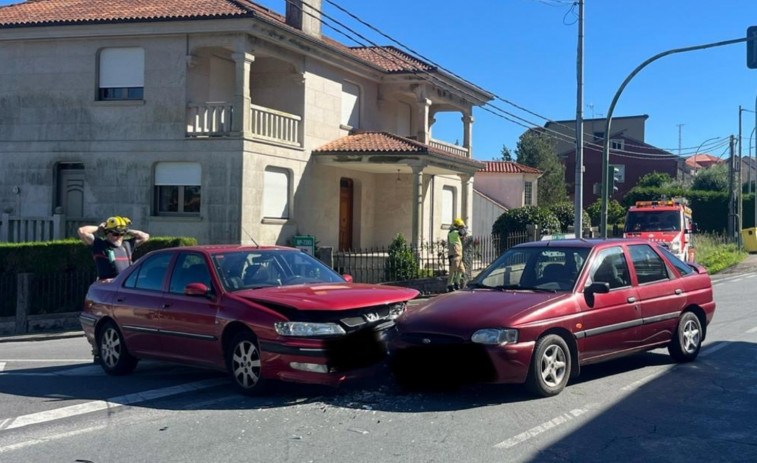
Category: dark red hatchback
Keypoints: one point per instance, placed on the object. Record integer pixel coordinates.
(544, 309)
(260, 313)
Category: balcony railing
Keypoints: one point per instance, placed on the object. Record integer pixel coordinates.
(214, 119)
(278, 126)
(449, 148)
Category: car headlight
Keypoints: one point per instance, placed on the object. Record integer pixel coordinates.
(396, 310)
(675, 245)
(307, 329)
(495, 336)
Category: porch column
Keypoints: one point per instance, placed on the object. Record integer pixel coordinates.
(240, 120)
(466, 203)
(468, 134)
(417, 204)
(424, 130)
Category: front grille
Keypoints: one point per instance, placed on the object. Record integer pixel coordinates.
(355, 350)
(442, 365)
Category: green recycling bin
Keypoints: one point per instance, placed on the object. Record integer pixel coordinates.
(749, 238)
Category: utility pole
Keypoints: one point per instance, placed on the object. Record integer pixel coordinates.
(739, 197)
(679, 138)
(579, 187)
(731, 198)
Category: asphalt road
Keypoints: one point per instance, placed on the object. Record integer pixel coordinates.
(56, 406)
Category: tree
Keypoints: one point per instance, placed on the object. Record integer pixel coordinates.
(655, 179)
(615, 212)
(714, 178)
(506, 154)
(516, 220)
(565, 213)
(538, 150)
(401, 263)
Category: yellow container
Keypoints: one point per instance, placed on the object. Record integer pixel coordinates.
(749, 238)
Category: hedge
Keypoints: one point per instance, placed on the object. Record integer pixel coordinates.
(67, 255)
(709, 209)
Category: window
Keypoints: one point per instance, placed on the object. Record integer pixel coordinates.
(448, 205)
(611, 267)
(598, 135)
(122, 74)
(682, 267)
(528, 194)
(649, 266)
(617, 144)
(150, 274)
(178, 188)
(189, 268)
(350, 105)
(276, 193)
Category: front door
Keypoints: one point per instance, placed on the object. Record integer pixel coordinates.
(345, 214)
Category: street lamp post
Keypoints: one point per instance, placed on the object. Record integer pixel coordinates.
(608, 122)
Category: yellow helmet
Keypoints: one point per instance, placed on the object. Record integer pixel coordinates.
(458, 222)
(117, 223)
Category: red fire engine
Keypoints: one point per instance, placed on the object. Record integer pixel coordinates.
(668, 222)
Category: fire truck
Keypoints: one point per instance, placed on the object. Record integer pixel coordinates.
(667, 222)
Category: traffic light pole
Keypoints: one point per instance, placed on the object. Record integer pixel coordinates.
(606, 144)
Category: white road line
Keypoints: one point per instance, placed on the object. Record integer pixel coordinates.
(109, 404)
(640, 382)
(535, 431)
(2, 366)
(753, 330)
(89, 360)
(88, 370)
(53, 437)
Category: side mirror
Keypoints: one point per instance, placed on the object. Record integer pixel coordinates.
(347, 278)
(196, 289)
(694, 227)
(595, 288)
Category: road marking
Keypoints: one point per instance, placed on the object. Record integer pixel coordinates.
(753, 330)
(51, 438)
(2, 366)
(109, 404)
(88, 370)
(48, 360)
(640, 382)
(536, 430)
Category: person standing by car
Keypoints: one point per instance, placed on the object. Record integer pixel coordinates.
(112, 245)
(457, 232)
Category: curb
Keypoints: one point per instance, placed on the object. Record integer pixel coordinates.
(41, 336)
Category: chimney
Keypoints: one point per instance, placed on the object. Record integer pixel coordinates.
(305, 15)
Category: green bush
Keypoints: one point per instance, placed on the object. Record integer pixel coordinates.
(67, 255)
(565, 213)
(615, 212)
(401, 263)
(715, 253)
(517, 220)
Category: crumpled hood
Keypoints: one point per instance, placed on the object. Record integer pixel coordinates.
(329, 296)
(465, 311)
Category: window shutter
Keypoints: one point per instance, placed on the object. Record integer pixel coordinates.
(122, 68)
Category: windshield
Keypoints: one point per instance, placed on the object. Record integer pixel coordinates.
(544, 268)
(254, 269)
(641, 221)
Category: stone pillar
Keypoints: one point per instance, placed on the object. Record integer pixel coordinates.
(466, 200)
(417, 205)
(240, 119)
(468, 134)
(424, 129)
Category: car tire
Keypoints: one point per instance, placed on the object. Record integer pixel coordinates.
(113, 355)
(550, 366)
(244, 363)
(687, 341)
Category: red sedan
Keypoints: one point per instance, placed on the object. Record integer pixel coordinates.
(544, 309)
(260, 313)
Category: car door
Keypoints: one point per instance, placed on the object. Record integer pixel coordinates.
(661, 295)
(610, 321)
(188, 327)
(138, 304)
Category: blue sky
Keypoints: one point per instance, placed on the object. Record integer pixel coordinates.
(525, 52)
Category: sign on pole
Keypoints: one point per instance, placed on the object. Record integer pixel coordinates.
(306, 244)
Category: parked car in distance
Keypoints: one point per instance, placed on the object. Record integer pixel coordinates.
(260, 313)
(543, 310)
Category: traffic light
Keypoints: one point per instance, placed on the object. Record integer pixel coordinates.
(613, 176)
(751, 47)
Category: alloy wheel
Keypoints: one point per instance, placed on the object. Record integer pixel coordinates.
(690, 335)
(245, 364)
(110, 347)
(553, 365)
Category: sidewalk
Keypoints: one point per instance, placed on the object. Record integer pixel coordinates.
(748, 265)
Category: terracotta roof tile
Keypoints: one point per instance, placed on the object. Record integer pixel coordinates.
(39, 12)
(509, 167)
(702, 160)
(61, 12)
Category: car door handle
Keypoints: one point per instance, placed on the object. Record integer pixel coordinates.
(631, 300)
(165, 306)
(678, 291)
(120, 299)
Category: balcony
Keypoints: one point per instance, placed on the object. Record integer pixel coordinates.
(215, 119)
(449, 148)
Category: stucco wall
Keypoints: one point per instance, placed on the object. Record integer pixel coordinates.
(505, 188)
